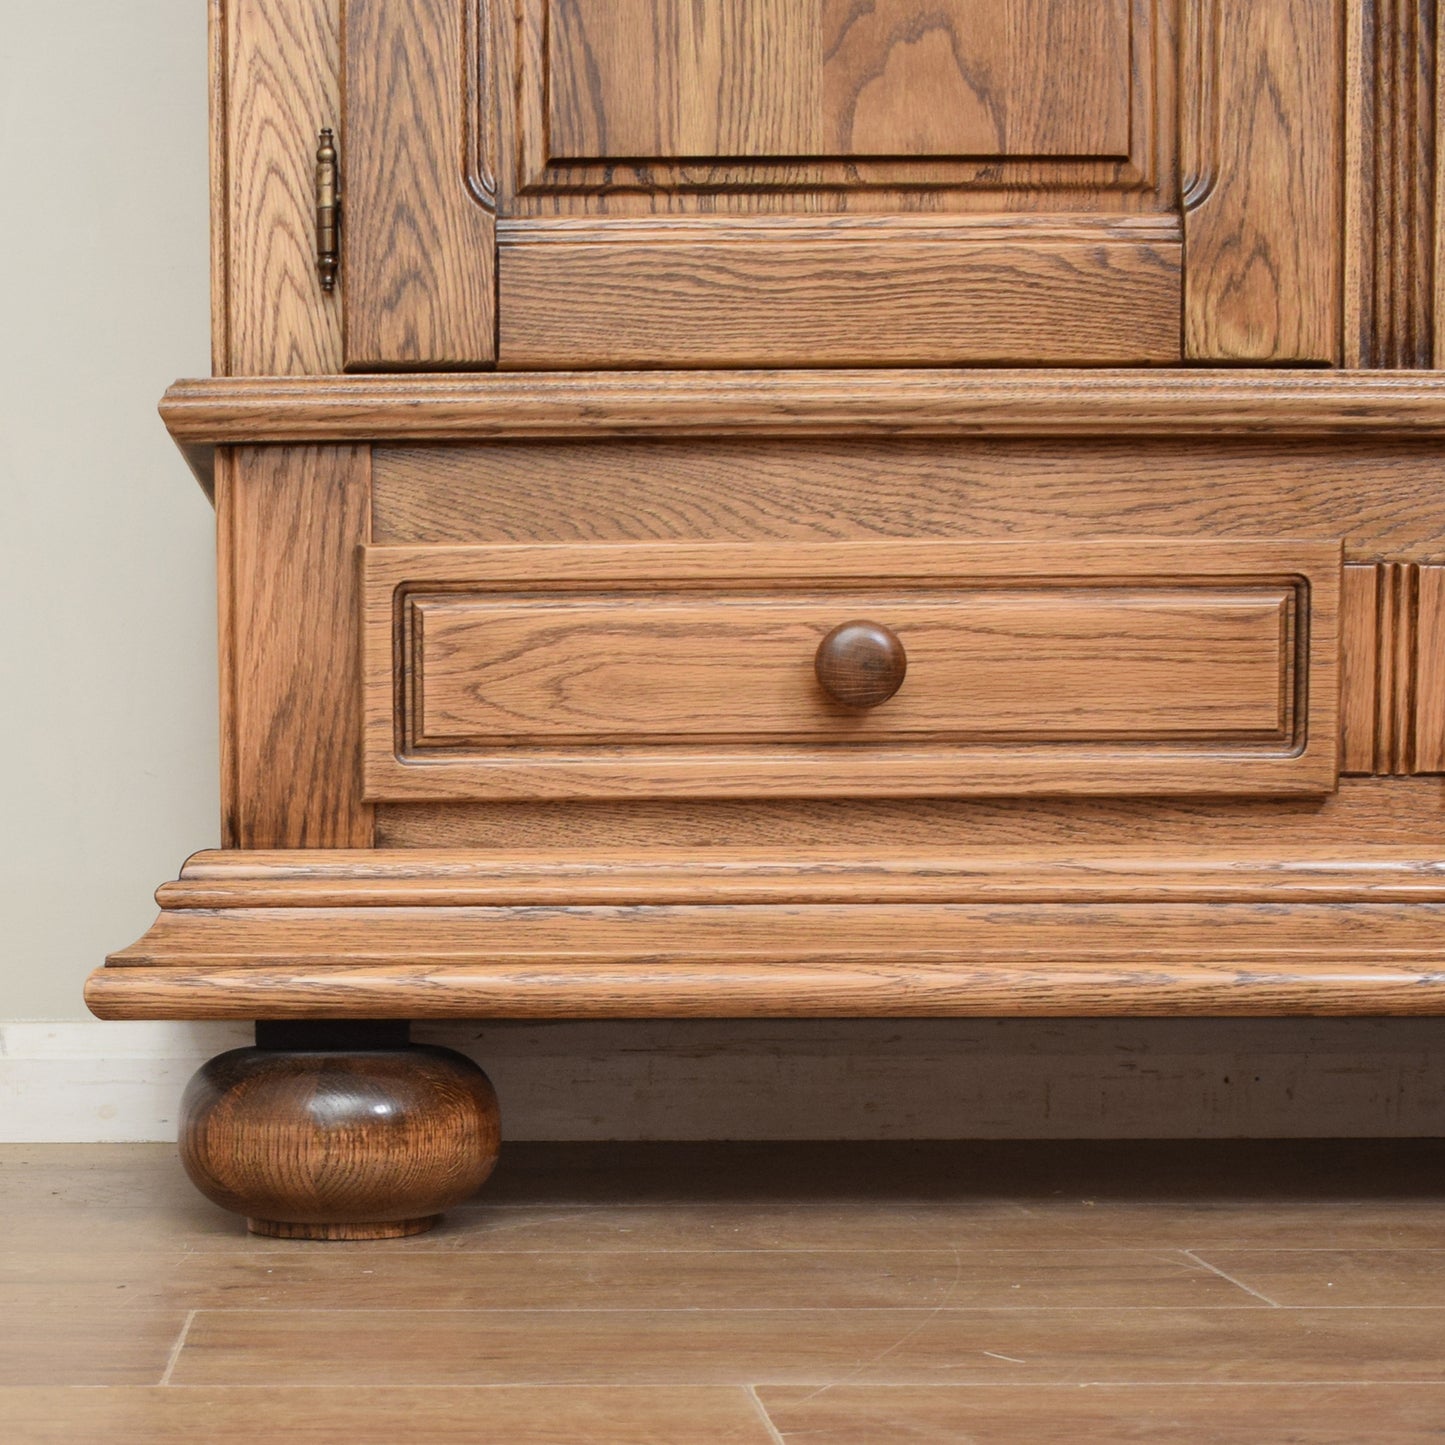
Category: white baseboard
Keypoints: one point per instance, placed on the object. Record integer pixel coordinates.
(842, 1079)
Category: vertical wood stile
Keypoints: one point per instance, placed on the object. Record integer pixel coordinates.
(1264, 251)
(282, 84)
(1392, 148)
(419, 229)
(293, 519)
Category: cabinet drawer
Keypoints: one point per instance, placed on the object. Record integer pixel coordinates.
(692, 670)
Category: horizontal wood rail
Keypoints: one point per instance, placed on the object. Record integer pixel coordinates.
(202, 415)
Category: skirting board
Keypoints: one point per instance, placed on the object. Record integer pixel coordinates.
(80, 1082)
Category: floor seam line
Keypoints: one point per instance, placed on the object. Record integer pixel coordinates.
(176, 1348)
(1238, 1284)
(774, 1434)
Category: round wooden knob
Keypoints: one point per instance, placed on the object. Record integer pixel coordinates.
(861, 664)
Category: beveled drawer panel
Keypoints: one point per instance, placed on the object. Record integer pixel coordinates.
(666, 670)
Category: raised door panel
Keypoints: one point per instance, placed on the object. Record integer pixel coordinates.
(764, 79)
(770, 183)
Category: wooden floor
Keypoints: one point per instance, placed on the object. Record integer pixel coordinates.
(748, 1294)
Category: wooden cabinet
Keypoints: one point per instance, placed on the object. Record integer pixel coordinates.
(816, 182)
(768, 508)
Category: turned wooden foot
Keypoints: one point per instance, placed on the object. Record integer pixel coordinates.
(331, 1131)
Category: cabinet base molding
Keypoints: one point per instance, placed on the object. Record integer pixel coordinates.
(729, 933)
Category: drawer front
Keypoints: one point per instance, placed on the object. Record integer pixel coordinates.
(677, 670)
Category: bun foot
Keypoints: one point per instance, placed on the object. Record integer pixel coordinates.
(339, 1143)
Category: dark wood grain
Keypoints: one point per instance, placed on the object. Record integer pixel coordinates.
(861, 664)
(417, 240)
(338, 1144)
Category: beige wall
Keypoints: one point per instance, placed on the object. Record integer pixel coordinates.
(108, 727)
(109, 732)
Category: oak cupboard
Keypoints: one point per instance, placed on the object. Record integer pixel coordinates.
(799, 507)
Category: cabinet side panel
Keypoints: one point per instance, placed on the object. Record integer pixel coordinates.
(1263, 233)
(292, 520)
(281, 87)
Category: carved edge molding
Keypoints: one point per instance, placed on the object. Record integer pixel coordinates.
(419, 934)
(1199, 111)
(1391, 283)
(1393, 669)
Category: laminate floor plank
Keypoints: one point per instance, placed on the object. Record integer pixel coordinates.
(90, 1344)
(1069, 1415)
(376, 1278)
(813, 1347)
(1275, 1293)
(1069, 1224)
(1339, 1277)
(505, 1415)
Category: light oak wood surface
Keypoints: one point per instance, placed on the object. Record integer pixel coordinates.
(1368, 818)
(1144, 943)
(420, 262)
(280, 84)
(1318, 197)
(1263, 225)
(289, 524)
(203, 414)
(639, 78)
(1225, 1289)
(1037, 668)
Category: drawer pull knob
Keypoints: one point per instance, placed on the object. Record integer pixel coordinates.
(861, 664)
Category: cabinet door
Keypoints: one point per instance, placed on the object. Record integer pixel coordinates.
(633, 183)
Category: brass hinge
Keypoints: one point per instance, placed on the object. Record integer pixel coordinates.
(328, 211)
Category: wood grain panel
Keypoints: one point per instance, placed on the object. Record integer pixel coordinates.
(1263, 225)
(1379, 496)
(649, 78)
(418, 243)
(827, 295)
(281, 85)
(1034, 83)
(1092, 663)
(1380, 818)
(775, 78)
(515, 682)
(292, 519)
